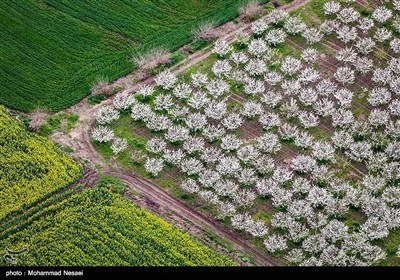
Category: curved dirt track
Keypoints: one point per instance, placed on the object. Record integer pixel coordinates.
(158, 199)
(79, 139)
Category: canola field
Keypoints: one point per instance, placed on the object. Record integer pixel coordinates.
(31, 168)
(111, 230)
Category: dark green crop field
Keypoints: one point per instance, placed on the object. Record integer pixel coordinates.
(52, 51)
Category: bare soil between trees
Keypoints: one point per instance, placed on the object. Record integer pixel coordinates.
(151, 196)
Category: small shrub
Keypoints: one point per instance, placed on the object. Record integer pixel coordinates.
(25, 120)
(45, 130)
(100, 86)
(152, 59)
(205, 32)
(156, 70)
(177, 57)
(251, 10)
(96, 99)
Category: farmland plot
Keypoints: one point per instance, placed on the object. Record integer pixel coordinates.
(52, 52)
(97, 227)
(32, 168)
(291, 136)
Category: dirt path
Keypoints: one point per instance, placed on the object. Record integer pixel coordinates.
(163, 200)
(159, 200)
(79, 136)
(197, 57)
(79, 140)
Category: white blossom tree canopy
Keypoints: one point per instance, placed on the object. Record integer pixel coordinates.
(290, 135)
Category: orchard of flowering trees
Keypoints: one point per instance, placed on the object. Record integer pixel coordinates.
(324, 146)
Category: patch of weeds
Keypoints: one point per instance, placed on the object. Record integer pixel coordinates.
(67, 149)
(263, 216)
(25, 120)
(198, 45)
(59, 122)
(45, 130)
(177, 57)
(96, 99)
(114, 184)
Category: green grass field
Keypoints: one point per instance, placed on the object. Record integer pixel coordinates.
(100, 227)
(52, 51)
